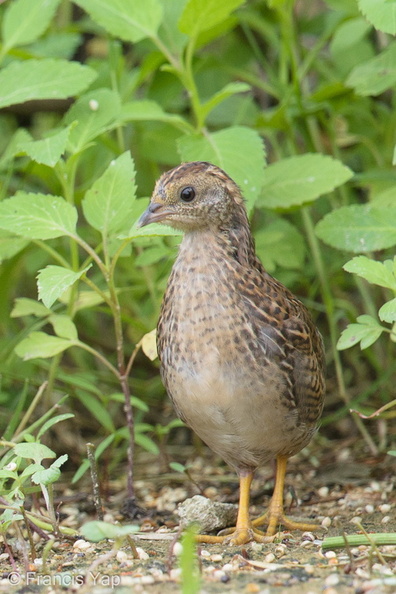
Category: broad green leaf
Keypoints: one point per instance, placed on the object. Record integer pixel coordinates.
(49, 475)
(10, 245)
(380, 13)
(25, 20)
(43, 79)
(169, 31)
(359, 228)
(108, 204)
(237, 150)
(39, 344)
(227, 91)
(146, 443)
(33, 451)
(97, 410)
(53, 421)
(366, 331)
(297, 180)
(57, 44)
(12, 149)
(201, 15)
(376, 75)
(349, 34)
(99, 530)
(130, 20)
(38, 216)
(387, 312)
(373, 271)
(27, 307)
(52, 282)
(153, 230)
(48, 150)
(146, 109)
(280, 244)
(93, 114)
(63, 326)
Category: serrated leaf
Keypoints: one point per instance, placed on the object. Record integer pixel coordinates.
(47, 151)
(43, 79)
(380, 13)
(348, 34)
(49, 475)
(371, 270)
(25, 20)
(33, 451)
(297, 180)
(93, 114)
(63, 326)
(387, 312)
(201, 15)
(26, 307)
(376, 75)
(366, 334)
(52, 282)
(146, 109)
(153, 230)
(38, 216)
(280, 244)
(130, 20)
(108, 204)
(359, 228)
(98, 530)
(228, 91)
(41, 345)
(237, 150)
(149, 345)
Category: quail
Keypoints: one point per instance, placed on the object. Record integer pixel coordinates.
(241, 358)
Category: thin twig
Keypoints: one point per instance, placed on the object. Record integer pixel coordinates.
(95, 482)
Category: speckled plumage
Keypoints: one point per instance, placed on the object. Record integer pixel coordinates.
(240, 356)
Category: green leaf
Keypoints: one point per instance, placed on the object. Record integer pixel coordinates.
(177, 467)
(387, 312)
(146, 443)
(25, 20)
(366, 331)
(43, 79)
(153, 230)
(98, 530)
(146, 109)
(51, 474)
(57, 419)
(359, 228)
(201, 15)
(93, 114)
(33, 451)
(373, 271)
(47, 151)
(380, 13)
(108, 204)
(38, 216)
(237, 150)
(280, 244)
(10, 245)
(97, 410)
(63, 326)
(39, 344)
(349, 34)
(130, 20)
(228, 91)
(296, 180)
(376, 75)
(27, 307)
(52, 282)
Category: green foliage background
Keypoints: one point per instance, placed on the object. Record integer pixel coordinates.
(97, 97)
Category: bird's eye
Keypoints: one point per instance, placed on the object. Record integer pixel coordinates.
(187, 194)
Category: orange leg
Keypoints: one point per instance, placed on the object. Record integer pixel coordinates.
(243, 532)
(274, 517)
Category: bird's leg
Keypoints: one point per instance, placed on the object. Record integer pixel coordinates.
(243, 532)
(274, 517)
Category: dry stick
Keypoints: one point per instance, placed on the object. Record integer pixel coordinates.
(95, 482)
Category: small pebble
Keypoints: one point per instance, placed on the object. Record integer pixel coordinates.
(175, 573)
(280, 550)
(219, 575)
(216, 557)
(308, 536)
(121, 556)
(326, 522)
(323, 491)
(332, 580)
(252, 588)
(270, 558)
(369, 508)
(356, 520)
(330, 554)
(385, 508)
(228, 567)
(309, 569)
(143, 556)
(147, 579)
(385, 520)
(82, 545)
(205, 553)
(177, 549)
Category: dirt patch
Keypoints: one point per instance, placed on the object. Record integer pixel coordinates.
(333, 494)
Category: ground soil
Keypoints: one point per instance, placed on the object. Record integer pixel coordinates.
(334, 488)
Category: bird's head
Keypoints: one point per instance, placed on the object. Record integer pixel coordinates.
(194, 196)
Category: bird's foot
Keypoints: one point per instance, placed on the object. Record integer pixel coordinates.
(275, 520)
(235, 536)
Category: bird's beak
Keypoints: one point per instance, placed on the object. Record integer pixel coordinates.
(155, 213)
